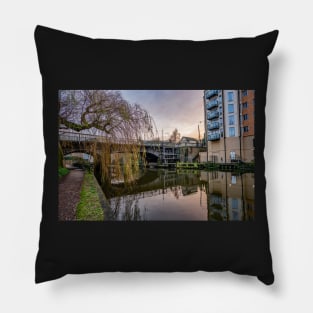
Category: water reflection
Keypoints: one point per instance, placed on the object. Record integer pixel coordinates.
(183, 195)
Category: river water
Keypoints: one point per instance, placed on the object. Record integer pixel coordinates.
(189, 195)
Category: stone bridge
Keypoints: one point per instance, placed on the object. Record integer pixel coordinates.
(87, 143)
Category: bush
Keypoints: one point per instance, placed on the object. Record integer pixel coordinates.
(62, 171)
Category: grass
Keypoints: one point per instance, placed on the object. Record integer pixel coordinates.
(62, 171)
(89, 208)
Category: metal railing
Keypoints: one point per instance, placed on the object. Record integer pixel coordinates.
(77, 137)
(89, 138)
(213, 137)
(82, 137)
(212, 104)
(213, 115)
(211, 93)
(213, 125)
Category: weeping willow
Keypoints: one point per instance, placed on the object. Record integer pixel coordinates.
(106, 126)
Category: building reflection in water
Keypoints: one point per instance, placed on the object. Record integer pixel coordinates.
(185, 195)
(230, 196)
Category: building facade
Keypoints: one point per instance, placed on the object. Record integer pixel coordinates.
(229, 118)
(247, 103)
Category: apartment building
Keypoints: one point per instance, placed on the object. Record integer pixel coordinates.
(229, 116)
(247, 104)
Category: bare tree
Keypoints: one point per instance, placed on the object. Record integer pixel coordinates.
(175, 136)
(119, 124)
(104, 111)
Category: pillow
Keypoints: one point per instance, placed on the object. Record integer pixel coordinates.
(153, 163)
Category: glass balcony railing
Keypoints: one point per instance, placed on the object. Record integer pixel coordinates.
(213, 137)
(211, 93)
(213, 125)
(212, 115)
(212, 104)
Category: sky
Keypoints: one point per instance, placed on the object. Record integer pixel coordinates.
(170, 109)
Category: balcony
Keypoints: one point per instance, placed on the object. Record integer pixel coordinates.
(211, 93)
(213, 125)
(213, 137)
(212, 115)
(212, 104)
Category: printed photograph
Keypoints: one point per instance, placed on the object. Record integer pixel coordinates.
(156, 155)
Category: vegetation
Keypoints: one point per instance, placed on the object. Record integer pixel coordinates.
(63, 171)
(175, 136)
(89, 207)
(103, 110)
(119, 127)
(60, 156)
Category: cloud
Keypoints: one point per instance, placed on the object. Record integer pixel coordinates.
(170, 109)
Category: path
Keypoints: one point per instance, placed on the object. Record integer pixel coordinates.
(69, 194)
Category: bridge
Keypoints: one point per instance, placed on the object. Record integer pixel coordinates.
(155, 150)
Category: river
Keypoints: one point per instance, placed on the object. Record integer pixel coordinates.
(189, 195)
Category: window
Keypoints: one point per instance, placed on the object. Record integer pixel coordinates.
(233, 178)
(230, 96)
(230, 108)
(245, 105)
(245, 129)
(235, 215)
(231, 131)
(244, 93)
(231, 120)
(234, 203)
(245, 117)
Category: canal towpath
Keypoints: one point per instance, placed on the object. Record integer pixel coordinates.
(69, 194)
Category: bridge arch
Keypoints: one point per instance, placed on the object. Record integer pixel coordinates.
(151, 157)
(71, 151)
(77, 158)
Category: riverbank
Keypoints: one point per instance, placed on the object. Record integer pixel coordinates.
(69, 194)
(80, 197)
(209, 166)
(89, 207)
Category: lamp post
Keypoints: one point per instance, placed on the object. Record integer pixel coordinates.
(163, 146)
(199, 130)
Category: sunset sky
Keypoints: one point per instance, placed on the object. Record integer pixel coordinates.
(170, 109)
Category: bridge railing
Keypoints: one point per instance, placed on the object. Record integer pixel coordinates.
(81, 137)
(77, 137)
